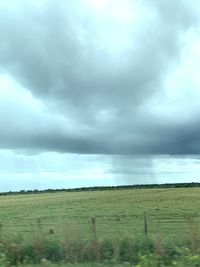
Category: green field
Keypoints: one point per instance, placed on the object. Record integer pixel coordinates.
(118, 214)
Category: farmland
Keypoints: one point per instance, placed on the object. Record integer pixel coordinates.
(172, 214)
(118, 213)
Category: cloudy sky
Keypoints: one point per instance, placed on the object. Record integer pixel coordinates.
(99, 92)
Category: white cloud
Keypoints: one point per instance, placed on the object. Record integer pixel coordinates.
(179, 100)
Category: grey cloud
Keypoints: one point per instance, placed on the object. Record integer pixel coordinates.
(151, 140)
(45, 52)
(134, 170)
(56, 53)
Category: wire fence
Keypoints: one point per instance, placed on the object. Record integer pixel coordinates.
(145, 224)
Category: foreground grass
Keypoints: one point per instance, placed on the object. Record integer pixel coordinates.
(180, 258)
(79, 265)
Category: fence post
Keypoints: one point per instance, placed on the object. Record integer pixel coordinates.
(93, 221)
(145, 224)
(95, 244)
(1, 232)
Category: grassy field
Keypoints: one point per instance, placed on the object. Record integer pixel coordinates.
(119, 214)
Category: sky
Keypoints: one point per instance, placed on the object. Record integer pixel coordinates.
(99, 92)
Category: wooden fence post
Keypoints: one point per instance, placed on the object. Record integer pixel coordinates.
(95, 244)
(145, 224)
(1, 232)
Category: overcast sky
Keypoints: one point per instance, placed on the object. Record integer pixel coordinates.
(99, 92)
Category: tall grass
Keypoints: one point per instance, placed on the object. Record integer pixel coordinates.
(70, 247)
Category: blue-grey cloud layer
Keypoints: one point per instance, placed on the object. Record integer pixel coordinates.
(57, 52)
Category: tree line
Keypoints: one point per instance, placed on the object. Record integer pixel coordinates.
(101, 188)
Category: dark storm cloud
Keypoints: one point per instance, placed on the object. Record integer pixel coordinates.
(149, 140)
(59, 54)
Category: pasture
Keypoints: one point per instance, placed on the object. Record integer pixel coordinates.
(117, 214)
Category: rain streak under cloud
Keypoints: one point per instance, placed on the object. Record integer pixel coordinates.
(111, 87)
